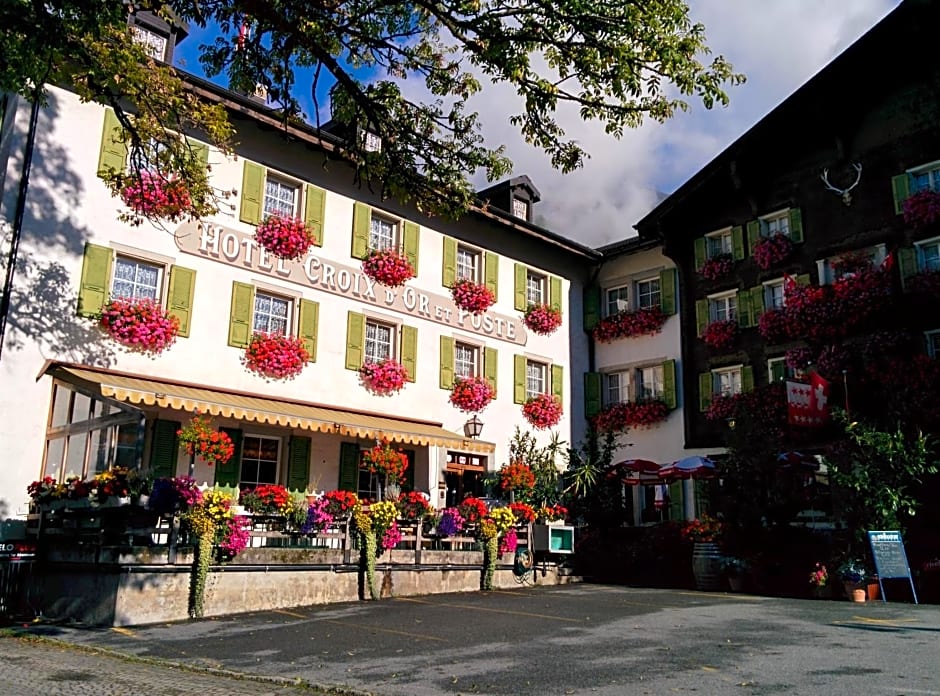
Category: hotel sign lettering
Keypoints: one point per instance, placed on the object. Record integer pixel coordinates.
(225, 245)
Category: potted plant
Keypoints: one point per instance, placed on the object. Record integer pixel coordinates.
(720, 334)
(472, 297)
(853, 573)
(542, 319)
(275, 356)
(705, 534)
(769, 251)
(388, 267)
(284, 236)
(819, 580)
(388, 463)
(266, 499)
(199, 439)
(383, 378)
(155, 196)
(542, 411)
(717, 266)
(471, 394)
(516, 478)
(139, 324)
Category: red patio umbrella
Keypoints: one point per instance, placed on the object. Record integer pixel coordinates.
(694, 467)
(635, 472)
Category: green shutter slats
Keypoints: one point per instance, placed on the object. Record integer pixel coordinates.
(113, 154)
(362, 219)
(519, 295)
(298, 464)
(592, 394)
(675, 501)
(490, 367)
(518, 379)
(239, 325)
(554, 292)
(747, 378)
(181, 293)
(308, 323)
(355, 340)
(901, 189)
(348, 479)
(558, 382)
(907, 264)
(95, 284)
(164, 449)
(411, 235)
(252, 197)
(670, 392)
(592, 307)
(777, 371)
(803, 279)
(705, 390)
(737, 243)
(700, 252)
(200, 152)
(315, 211)
(753, 234)
(757, 303)
(447, 375)
(667, 291)
(227, 474)
(409, 351)
(796, 225)
(449, 267)
(745, 316)
(491, 272)
(701, 316)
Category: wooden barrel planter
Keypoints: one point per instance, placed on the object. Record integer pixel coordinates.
(706, 565)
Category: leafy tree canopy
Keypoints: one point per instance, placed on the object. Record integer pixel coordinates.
(616, 61)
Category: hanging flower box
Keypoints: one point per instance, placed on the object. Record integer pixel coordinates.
(773, 326)
(722, 407)
(645, 413)
(641, 322)
(199, 438)
(925, 283)
(383, 378)
(471, 394)
(516, 477)
(155, 196)
(267, 499)
(385, 461)
(798, 359)
(139, 324)
(542, 411)
(275, 356)
(720, 334)
(471, 297)
(286, 237)
(717, 267)
(921, 209)
(388, 267)
(769, 251)
(542, 319)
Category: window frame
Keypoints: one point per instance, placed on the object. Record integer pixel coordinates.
(625, 301)
(523, 205)
(477, 266)
(767, 220)
(395, 226)
(624, 391)
(769, 287)
(543, 377)
(286, 182)
(539, 279)
(476, 362)
(394, 330)
(921, 260)
(726, 297)
(659, 386)
(731, 370)
(289, 328)
(932, 170)
(142, 34)
(824, 266)
(242, 482)
(725, 238)
(932, 337)
(788, 372)
(639, 294)
(160, 266)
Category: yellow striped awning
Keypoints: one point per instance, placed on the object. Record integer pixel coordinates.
(289, 414)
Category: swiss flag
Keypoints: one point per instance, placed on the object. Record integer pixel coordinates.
(808, 404)
(243, 33)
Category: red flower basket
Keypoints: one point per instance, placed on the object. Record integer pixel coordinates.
(640, 322)
(471, 297)
(388, 267)
(471, 394)
(275, 356)
(414, 506)
(635, 414)
(717, 267)
(923, 208)
(154, 196)
(384, 378)
(139, 324)
(286, 237)
(771, 250)
(200, 439)
(720, 334)
(722, 407)
(524, 512)
(542, 411)
(516, 477)
(472, 509)
(384, 460)
(774, 326)
(542, 319)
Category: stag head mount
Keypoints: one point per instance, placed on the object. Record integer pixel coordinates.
(844, 192)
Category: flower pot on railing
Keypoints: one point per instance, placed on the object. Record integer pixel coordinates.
(706, 565)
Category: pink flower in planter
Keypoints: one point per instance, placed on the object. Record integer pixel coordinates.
(388, 267)
(717, 267)
(275, 356)
(923, 208)
(542, 319)
(640, 322)
(139, 324)
(154, 196)
(635, 414)
(720, 334)
(383, 378)
(472, 297)
(471, 394)
(285, 237)
(542, 411)
(771, 250)
(798, 359)
(722, 407)
(773, 326)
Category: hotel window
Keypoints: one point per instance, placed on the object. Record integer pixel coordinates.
(259, 460)
(778, 223)
(272, 314)
(727, 381)
(154, 44)
(466, 360)
(648, 293)
(718, 243)
(617, 387)
(774, 297)
(534, 288)
(136, 279)
(928, 255)
(649, 382)
(520, 208)
(371, 142)
(468, 264)
(723, 307)
(933, 343)
(778, 370)
(382, 233)
(925, 178)
(618, 300)
(536, 380)
(847, 264)
(280, 197)
(380, 344)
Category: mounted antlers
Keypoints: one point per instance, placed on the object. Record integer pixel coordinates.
(846, 196)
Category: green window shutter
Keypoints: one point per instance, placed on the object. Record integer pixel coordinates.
(907, 263)
(348, 466)
(315, 211)
(411, 235)
(409, 351)
(449, 267)
(901, 188)
(667, 291)
(200, 151)
(447, 362)
(252, 193)
(675, 501)
(796, 225)
(164, 449)
(355, 340)
(753, 234)
(757, 303)
(298, 464)
(803, 279)
(747, 378)
(592, 394)
(592, 307)
(700, 252)
(113, 155)
(745, 317)
(95, 284)
(701, 316)
(518, 379)
(362, 219)
(519, 294)
(554, 292)
(491, 272)
(558, 382)
(670, 393)
(737, 243)
(705, 390)
(227, 474)
(308, 322)
(239, 325)
(777, 371)
(182, 289)
(490, 367)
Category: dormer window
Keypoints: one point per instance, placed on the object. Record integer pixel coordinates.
(154, 44)
(520, 208)
(371, 142)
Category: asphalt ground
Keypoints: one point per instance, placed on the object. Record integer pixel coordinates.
(576, 639)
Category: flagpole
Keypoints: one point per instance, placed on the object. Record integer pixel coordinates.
(845, 389)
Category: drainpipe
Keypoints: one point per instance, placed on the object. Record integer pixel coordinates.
(18, 221)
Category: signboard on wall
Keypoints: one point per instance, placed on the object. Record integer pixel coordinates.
(887, 548)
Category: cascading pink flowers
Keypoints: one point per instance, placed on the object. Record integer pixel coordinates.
(139, 324)
(542, 411)
(154, 196)
(773, 326)
(388, 267)
(720, 334)
(923, 208)
(771, 250)
(543, 319)
(275, 356)
(471, 297)
(640, 322)
(717, 267)
(286, 237)
(471, 394)
(383, 378)
(633, 414)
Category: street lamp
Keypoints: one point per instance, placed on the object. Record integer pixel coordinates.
(473, 427)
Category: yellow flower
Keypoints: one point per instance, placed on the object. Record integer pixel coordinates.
(503, 518)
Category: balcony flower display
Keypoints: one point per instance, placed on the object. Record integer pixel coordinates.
(516, 477)
(44, 491)
(267, 499)
(773, 326)
(722, 407)
(542, 411)
(717, 267)
(233, 536)
(524, 512)
(798, 359)
(720, 334)
(769, 251)
(139, 324)
(388, 267)
(552, 513)
(110, 483)
(644, 413)
(923, 208)
(340, 504)
(383, 378)
(925, 283)
(414, 506)
(154, 196)
(472, 297)
(450, 523)
(542, 319)
(199, 438)
(284, 236)
(767, 404)
(472, 510)
(471, 394)
(275, 356)
(318, 517)
(385, 461)
(508, 542)
(640, 322)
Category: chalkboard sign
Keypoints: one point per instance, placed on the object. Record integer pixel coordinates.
(887, 548)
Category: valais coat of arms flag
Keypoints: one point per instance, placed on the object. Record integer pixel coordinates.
(808, 404)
